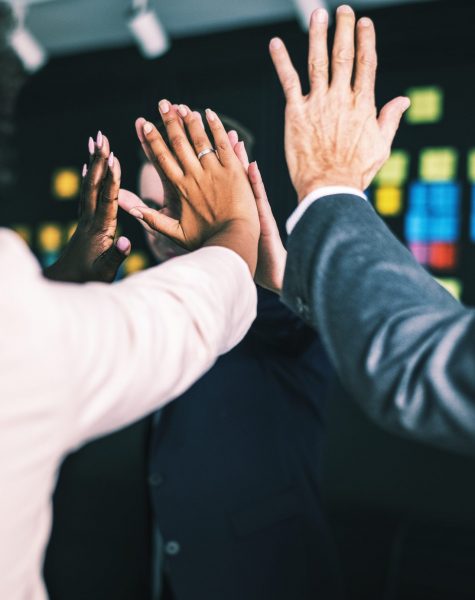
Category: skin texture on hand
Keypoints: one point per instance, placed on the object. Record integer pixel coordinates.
(333, 135)
(91, 254)
(216, 202)
(272, 255)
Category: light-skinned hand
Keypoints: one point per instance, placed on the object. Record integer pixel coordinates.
(333, 135)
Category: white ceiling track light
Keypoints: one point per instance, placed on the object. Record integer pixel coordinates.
(305, 9)
(148, 31)
(22, 41)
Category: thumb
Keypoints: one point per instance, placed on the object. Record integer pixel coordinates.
(108, 263)
(390, 117)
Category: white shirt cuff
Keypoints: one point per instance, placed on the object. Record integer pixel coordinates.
(316, 195)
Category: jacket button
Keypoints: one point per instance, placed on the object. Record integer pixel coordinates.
(172, 548)
(155, 480)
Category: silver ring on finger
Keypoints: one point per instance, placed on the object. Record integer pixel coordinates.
(205, 152)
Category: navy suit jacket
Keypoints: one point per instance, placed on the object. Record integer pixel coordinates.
(235, 471)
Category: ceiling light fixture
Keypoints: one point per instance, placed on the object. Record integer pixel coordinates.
(28, 49)
(147, 30)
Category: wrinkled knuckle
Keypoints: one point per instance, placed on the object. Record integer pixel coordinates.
(222, 145)
(201, 142)
(170, 120)
(368, 60)
(343, 56)
(177, 141)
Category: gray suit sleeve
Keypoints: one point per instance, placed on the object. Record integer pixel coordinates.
(402, 346)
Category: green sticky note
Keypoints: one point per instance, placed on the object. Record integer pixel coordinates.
(438, 164)
(396, 170)
(453, 286)
(471, 166)
(427, 105)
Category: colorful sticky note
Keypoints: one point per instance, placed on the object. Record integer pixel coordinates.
(471, 166)
(137, 261)
(438, 164)
(50, 237)
(443, 256)
(66, 183)
(453, 286)
(388, 201)
(444, 199)
(396, 170)
(416, 228)
(420, 252)
(444, 229)
(427, 105)
(419, 198)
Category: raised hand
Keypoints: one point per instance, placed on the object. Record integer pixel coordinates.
(333, 135)
(92, 254)
(272, 253)
(214, 194)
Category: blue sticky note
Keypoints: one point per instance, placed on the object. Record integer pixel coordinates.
(417, 228)
(419, 198)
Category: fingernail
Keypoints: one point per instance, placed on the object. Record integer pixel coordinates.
(210, 114)
(147, 128)
(136, 213)
(345, 9)
(199, 117)
(275, 43)
(257, 166)
(84, 170)
(110, 162)
(99, 139)
(321, 15)
(90, 146)
(122, 244)
(182, 110)
(365, 22)
(164, 106)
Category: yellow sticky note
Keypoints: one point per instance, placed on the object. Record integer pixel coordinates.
(137, 261)
(50, 237)
(471, 166)
(438, 164)
(427, 105)
(66, 183)
(453, 286)
(24, 232)
(388, 201)
(396, 170)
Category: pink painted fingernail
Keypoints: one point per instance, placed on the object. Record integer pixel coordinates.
(84, 170)
(136, 213)
(275, 43)
(110, 162)
(122, 244)
(90, 146)
(164, 106)
(99, 139)
(210, 114)
(182, 110)
(147, 128)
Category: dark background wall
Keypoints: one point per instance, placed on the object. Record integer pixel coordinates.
(403, 513)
